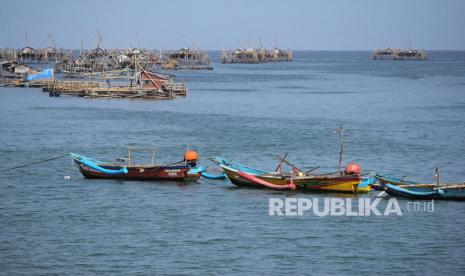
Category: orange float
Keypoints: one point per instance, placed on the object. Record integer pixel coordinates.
(191, 155)
(353, 168)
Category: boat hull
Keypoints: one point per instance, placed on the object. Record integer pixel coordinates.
(342, 184)
(142, 173)
(427, 191)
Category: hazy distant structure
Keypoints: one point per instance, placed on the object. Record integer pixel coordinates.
(184, 59)
(91, 61)
(259, 55)
(40, 55)
(32, 55)
(399, 54)
(256, 55)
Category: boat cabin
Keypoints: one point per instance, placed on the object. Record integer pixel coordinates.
(152, 80)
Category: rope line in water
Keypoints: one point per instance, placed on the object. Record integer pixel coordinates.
(34, 163)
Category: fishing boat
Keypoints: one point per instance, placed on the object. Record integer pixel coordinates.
(414, 190)
(345, 182)
(184, 170)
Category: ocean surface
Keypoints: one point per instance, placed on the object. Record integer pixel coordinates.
(400, 117)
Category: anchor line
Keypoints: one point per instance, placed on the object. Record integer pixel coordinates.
(34, 163)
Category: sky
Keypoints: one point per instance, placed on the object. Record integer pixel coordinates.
(220, 24)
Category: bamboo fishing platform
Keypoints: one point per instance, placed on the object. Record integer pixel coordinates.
(91, 89)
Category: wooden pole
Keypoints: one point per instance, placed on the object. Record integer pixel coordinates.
(280, 164)
(289, 163)
(437, 176)
(153, 155)
(341, 144)
(187, 149)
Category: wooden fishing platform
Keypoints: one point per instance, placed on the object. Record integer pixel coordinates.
(143, 84)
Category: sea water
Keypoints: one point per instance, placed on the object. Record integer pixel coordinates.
(400, 117)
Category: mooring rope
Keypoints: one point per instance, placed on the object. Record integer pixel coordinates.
(34, 163)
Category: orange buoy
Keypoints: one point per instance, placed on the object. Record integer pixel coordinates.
(191, 155)
(353, 168)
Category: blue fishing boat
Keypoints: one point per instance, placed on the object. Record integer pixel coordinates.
(416, 190)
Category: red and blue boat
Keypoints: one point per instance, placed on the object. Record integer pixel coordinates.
(184, 170)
